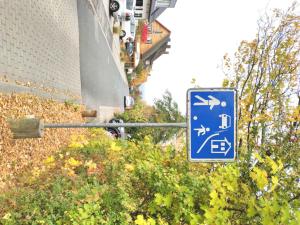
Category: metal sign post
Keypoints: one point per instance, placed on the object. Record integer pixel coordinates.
(34, 127)
(98, 125)
(212, 124)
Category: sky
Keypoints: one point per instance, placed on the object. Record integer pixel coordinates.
(201, 33)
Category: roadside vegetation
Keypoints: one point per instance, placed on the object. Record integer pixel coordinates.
(104, 181)
(99, 180)
(141, 75)
(164, 110)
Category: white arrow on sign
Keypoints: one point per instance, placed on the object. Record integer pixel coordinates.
(207, 139)
(211, 102)
(220, 146)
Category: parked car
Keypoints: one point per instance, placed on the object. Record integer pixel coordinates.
(137, 54)
(130, 88)
(129, 67)
(114, 5)
(122, 9)
(117, 132)
(128, 29)
(128, 102)
(129, 48)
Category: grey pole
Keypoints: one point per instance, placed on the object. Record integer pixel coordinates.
(90, 125)
(33, 127)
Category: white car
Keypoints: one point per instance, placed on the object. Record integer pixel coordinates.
(122, 9)
(128, 29)
(137, 54)
(128, 102)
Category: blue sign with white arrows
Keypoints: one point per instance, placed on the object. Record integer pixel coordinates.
(212, 124)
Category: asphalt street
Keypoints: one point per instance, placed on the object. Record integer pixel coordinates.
(102, 82)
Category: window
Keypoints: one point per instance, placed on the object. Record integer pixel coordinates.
(163, 3)
(139, 3)
(149, 27)
(149, 40)
(129, 4)
(138, 15)
(132, 28)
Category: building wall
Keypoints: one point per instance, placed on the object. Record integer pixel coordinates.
(156, 33)
(39, 44)
(163, 3)
(142, 12)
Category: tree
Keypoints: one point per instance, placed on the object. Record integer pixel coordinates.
(141, 112)
(164, 110)
(263, 187)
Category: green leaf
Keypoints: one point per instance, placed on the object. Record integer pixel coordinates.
(159, 199)
(140, 220)
(251, 211)
(274, 182)
(168, 200)
(151, 221)
(260, 177)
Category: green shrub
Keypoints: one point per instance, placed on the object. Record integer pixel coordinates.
(105, 181)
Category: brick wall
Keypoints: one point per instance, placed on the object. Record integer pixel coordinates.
(39, 44)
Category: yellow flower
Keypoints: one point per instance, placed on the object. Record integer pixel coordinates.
(7, 216)
(75, 145)
(73, 162)
(129, 167)
(36, 172)
(49, 160)
(114, 147)
(78, 141)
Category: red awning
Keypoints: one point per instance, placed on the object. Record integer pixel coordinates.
(144, 33)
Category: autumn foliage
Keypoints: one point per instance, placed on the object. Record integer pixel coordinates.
(98, 180)
(17, 156)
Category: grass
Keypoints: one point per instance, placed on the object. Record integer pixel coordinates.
(72, 104)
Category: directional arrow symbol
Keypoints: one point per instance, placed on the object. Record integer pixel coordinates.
(220, 146)
(207, 139)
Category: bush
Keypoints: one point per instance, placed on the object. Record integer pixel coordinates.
(105, 181)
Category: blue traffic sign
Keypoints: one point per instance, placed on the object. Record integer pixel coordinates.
(212, 124)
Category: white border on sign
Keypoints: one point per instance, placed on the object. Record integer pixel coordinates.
(188, 119)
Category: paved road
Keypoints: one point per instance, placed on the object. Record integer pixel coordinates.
(102, 81)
